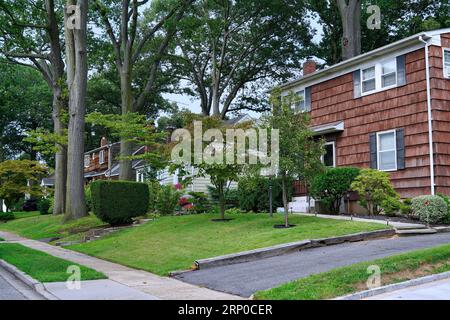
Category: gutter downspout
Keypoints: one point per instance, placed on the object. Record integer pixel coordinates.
(430, 116)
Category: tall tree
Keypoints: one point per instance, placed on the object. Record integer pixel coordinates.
(25, 104)
(30, 35)
(129, 35)
(75, 30)
(299, 151)
(228, 50)
(350, 11)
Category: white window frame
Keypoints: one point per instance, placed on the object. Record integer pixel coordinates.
(378, 76)
(322, 158)
(101, 156)
(379, 151)
(446, 76)
(87, 159)
(302, 91)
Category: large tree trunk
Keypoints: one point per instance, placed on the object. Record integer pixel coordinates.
(76, 52)
(126, 170)
(350, 11)
(60, 156)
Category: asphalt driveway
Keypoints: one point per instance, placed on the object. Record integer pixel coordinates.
(245, 278)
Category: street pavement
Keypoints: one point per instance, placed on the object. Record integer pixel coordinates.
(244, 279)
(438, 290)
(13, 289)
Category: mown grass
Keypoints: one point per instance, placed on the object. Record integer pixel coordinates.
(25, 214)
(349, 279)
(49, 226)
(41, 266)
(175, 242)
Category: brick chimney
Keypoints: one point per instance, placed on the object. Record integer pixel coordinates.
(103, 142)
(309, 66)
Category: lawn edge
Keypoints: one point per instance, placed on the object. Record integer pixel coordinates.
(27, 280)
(394, 286)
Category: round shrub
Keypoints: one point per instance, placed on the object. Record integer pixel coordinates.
(44, 206)
(117, 202)
(6, 216)
(332, 185)
(429, 209)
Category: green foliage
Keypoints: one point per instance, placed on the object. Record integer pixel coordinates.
(234, 211)
(231, 196)
(373, 187)
(332, 185)
(253, 193)
(405, 208)
(20, 177)
(117, 202)
(167, 200)
(153, 189)
(429, 209)
(200, 202)
(391, 206)
(25, 104)
(44, 206)
(88, 197)
(447, 201)
(6, 216)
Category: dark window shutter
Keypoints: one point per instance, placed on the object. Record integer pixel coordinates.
(373, 150)
(400, 137)
(401, 70)
(357, 83)
(308, 99)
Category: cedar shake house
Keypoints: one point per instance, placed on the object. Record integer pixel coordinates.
(102, 162)
(387, 109)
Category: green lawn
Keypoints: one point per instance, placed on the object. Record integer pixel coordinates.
(41, 266)
(174, 243)
(349, 279)
(1, 239)
(25, 214)
(49, 226)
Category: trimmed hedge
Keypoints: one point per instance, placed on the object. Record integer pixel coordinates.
(117, 202)
(432, 209)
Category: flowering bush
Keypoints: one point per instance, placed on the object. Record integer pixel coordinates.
(430, 209)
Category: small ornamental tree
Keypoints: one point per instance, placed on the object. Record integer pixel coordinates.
(332, 185)
(20, 177)
(299, 153)
(374, 187)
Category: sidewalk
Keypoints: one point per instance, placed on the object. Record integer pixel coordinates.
(437, 290)
(143, 281)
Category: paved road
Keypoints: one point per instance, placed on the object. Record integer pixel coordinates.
(245, 278)
(13, 289)
(439, 290)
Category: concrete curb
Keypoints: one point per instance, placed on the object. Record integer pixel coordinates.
(26, 279)
(281, 249)
(394, 287)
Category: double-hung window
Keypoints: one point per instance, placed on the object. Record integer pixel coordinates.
(387, 151)
(380, 76)
(446, 63)
(299, 101)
